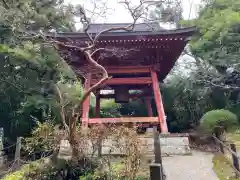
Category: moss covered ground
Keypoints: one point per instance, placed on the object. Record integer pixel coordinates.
(223, 169)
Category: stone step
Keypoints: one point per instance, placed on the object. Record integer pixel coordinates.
(171, 144)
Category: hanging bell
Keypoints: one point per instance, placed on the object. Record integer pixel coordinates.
(121, 94)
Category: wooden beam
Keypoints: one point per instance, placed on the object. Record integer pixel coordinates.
(131, 96)
(97, 107)
(86, 103)
(159, 104)
(124, 120)
(128, 70)
(126, 67)
(128, 81)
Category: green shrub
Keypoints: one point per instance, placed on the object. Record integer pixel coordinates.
(219, 117)
(45, 169)
(117, 173)
(28, 170)
(107, 176)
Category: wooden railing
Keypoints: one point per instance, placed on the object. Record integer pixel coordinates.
(227, 147)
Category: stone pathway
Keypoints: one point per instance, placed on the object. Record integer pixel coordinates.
(195, 167)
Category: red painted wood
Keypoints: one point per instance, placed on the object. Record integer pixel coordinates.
(128, 81)
(123, 120)
(86, 104)
(169, 44)
(97, 108)
(159, 104)
(128, 69)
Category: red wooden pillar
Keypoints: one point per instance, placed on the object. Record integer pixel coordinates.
(159, 104)
(86, 103)
(97, 107)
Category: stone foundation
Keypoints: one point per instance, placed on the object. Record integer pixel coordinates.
(175, 144)
(171, 144)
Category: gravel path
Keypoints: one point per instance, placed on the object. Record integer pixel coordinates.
(195, 167)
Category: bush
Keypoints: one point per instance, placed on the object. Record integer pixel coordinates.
(28, 170)
(117, 173)
(219, 117)
(45, 169)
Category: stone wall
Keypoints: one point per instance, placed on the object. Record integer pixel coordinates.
(171, 144)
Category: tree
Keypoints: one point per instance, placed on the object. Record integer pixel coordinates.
(209, 83)
(170, 12)
(34, 15)
(34, 70)
(87, 52)
(217, 41)
(29, 66)
(217, 45)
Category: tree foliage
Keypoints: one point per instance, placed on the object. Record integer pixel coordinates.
(169, 12)
(29, 67)
(208, 84)
(218, 36)
(215, 118)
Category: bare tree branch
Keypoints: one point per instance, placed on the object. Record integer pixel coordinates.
(89, 51)
(93, 88)
(136, 13)
(85, 22)
(6, 6)
(97, 50)
(62, 113)
(191, 6)
(226, 87)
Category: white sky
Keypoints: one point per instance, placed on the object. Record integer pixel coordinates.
(118, 14)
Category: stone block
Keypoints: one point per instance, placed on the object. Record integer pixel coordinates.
(175, 144)
(171, 144)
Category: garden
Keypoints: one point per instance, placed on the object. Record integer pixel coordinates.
(41, 96)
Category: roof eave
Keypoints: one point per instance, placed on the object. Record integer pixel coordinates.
(187, 30)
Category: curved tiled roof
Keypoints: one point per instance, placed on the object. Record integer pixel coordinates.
(153, 46)
(137, 32)
(141, 27)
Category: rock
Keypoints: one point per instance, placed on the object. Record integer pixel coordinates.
(65, 151)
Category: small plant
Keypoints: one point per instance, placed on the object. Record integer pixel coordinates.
(219, 117)
(42, 138)
(28, 171)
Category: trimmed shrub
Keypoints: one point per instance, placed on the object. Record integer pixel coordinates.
(219, 117)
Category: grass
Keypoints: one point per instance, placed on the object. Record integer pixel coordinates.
(234, 137)
(223, 169)
(142, 174)
(221, 166)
